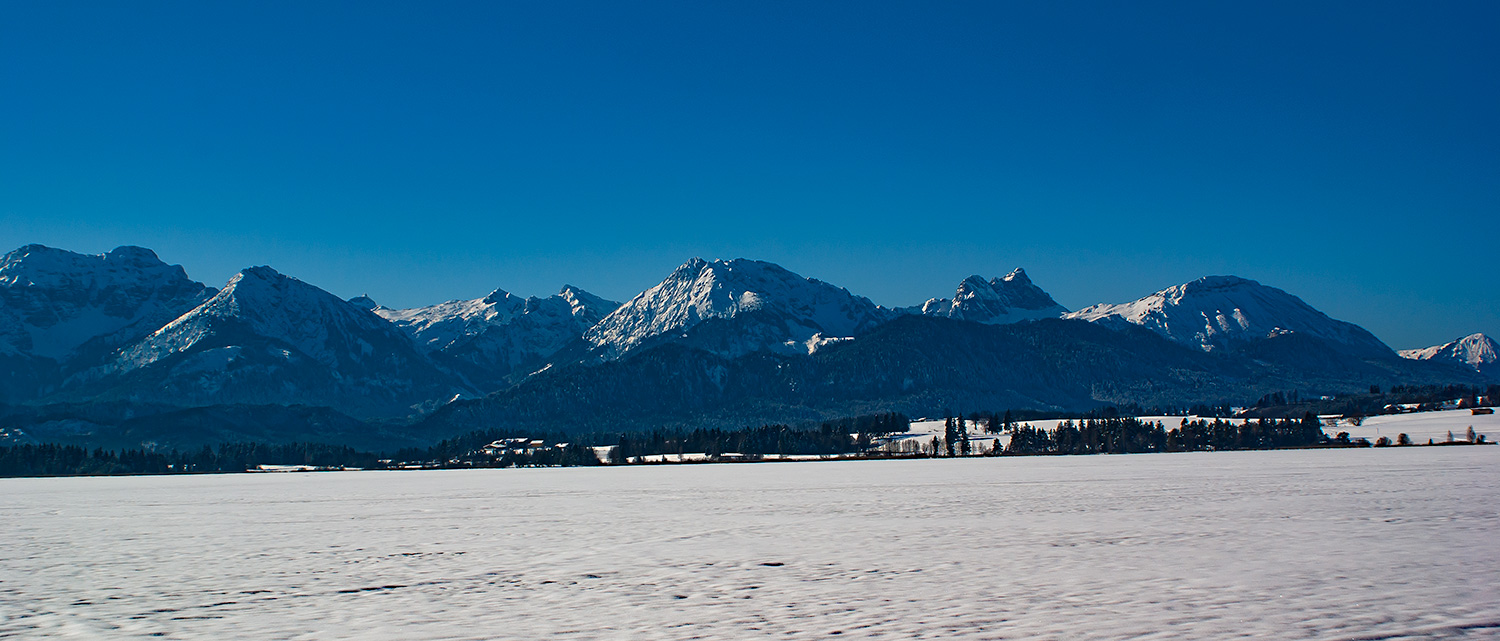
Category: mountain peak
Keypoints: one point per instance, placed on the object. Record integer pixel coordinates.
(1476, 351)
(54, 301)
(267, 303)
(997, 301)
(1215, 284)
(48, 266)
(1215, 311)
(496, 296)
(974, 281)
(1017, 276)
(491, 338)
(792, 308)
(261, 273)
(132, 254)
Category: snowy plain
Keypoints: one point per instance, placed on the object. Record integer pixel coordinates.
(1391, 543)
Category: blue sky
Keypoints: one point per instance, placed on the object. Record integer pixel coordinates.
(1346, 152)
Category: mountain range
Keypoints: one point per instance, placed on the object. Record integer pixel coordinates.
(124, 348)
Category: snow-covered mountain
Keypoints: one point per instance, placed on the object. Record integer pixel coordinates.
(1475, 351)
(997, 301)
(732, 307)
(493, 337)
(270, 338)
(436, 327)
(1215, 312)
(53, 302)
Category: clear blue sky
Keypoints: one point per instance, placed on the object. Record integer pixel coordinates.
(1346, 152)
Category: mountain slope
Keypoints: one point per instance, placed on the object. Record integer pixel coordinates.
(1475, 351)
(61, 310)
(501, 335)
(53, 301)
(998, 301)
(1217, 312)
(914, 364)
(924, 366)
(760, 306)
(268, 338)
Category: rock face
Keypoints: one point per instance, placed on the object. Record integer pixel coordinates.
(1475, 351)
(270, 338)
(733, 307)
(997, 301)
(53, 302)
(62, 311)
(1216, 312)
(500, 336)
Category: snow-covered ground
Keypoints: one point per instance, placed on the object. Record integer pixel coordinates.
(1420, 426)
(922, 431)
(1395, 543)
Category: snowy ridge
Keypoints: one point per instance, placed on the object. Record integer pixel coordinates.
(439, 326)
(445, 326)
(795, 313)
(1476, 351)
(263, 302)
(53, 301)
(267, 338)
(998, 301)
(490, 337)
(1217, 311)
(541, 328)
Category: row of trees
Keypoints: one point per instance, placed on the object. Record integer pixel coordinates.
(70, 460)
(1131, 435)
(839, 436)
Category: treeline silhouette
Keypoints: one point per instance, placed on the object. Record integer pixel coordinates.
(1129, 435)
(1377, 401)
(839, 436)
(1101, 432)
(73, 460)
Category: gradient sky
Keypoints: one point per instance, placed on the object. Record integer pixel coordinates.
(1346, 152)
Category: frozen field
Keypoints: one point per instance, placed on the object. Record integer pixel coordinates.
(1313, 544)
(1421, 426)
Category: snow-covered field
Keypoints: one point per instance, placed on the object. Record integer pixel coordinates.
(1395, 543)
(1421, 426)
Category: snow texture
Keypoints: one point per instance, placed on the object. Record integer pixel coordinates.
(1312, 544)
(998, 301)
(1218, 311)
(793, 313)
(1475, 351)
(53, 301)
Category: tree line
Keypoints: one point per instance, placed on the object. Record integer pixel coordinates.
(73, 460)
(838, 436)
(1129, 435)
